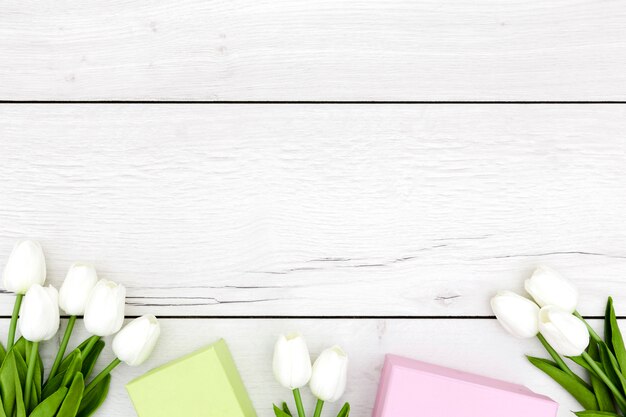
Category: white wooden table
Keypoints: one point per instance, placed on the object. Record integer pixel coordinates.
(368, 173)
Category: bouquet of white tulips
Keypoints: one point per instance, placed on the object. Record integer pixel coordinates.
(564, 333)
(69, 390)
(326, 378)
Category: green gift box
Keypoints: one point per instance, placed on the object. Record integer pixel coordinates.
(205, 383)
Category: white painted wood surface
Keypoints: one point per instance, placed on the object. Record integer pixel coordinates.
(309, 210)
(208, 211)
(478, 346)
(313, 50)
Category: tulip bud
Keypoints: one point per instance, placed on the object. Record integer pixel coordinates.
(75, 291)
(104, 314)
(566, 333)
(330, 371)
(517, 314)
(135, 342)
(292, 363)
(26, 266)
(548, 287)
(39, 316)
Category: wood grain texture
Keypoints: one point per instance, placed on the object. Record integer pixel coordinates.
(313, 210)
(365, 341)
(313, 50)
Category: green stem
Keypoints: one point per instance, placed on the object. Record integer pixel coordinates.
(298, 398)
(559, 361)
(619, 396)
(32, 359)
(62, 347)
(101, 375)
(318, 408)
(13, 325)
(92, 342)
(592, 332)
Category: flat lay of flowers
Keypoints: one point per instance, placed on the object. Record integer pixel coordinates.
(69, 389)
(598, 382)
(326, 377)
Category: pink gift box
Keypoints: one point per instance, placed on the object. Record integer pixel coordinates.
(410, 388)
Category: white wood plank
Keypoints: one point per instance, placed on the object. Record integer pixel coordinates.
(313, 50)
(319, 210)
(486, 349)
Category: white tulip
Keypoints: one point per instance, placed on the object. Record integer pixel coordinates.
(135, 342)
(104, 314)
(39, 316)
(75, 291)
(517, 314)
(548, 287)
(26, 266)
(330, 371)
(292, 363)
(566, 333)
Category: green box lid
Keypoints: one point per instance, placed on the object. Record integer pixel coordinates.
(205, 383)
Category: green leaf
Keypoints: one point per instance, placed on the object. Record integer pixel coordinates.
(611, 367)
(280, 413)
(2, 409)
(70, 366)
(71, 403)
(20, 409)
(608, 337)
(21, 367)
(73, 368)
(7, 383)
(584, 396)
(94, 398)
(617, 341)
(3, 353)
(286, 409)
(92, 357)
(583, 363)
(590, 413)
(49, 407)
(20, 346)
(345, 410)
(37, 378)
(603, 393)
(67, 361)
(52, 385)
(84, 343)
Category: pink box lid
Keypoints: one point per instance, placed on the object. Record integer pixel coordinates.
(410, 388)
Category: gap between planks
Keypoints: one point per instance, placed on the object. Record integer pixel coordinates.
(256, 102)
(170, 317)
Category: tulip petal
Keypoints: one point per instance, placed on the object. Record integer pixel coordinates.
(548, 287)
(26, 266)
(104, 313)
(80, 280)
(291, 361)
(566, 333)
(135, 342)
(517, 314)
